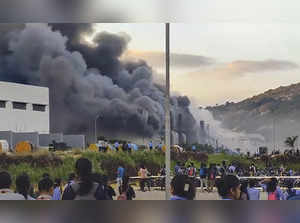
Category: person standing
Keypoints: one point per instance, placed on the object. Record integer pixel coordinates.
(182, 188)
(45, 189)
(143, 173)
(57, 190)
(150, 145)
(126, 191)
(162, 173)
(274, 192)
(84, 188)
(177, 168)
(211, 178)
(229, 187)
(120, 174)
(254, 194)
(194, 148)
(23, 186)
(116, 145)
(203, 176)
(244, 191)
(5, 188)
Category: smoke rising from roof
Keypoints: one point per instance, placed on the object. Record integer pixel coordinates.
(85, 80)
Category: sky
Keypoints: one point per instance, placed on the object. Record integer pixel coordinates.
(216, 62)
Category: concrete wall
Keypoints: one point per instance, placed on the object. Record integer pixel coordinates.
(75, 141)
(32, 137)
(24, 120)
(46, 139)
(8, 136)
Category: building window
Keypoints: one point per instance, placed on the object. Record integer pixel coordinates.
(19, 105)
(40, 108)
(2, 104)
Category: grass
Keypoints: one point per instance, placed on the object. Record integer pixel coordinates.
(107, 163)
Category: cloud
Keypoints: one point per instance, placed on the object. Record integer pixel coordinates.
(157, 59)
(234, 81)
(243, 66)
(240, 68)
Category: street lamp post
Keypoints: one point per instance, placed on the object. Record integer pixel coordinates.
(167, 120)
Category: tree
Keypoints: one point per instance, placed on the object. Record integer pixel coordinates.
(290, 141)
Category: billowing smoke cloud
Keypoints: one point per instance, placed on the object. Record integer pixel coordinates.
(85, 81)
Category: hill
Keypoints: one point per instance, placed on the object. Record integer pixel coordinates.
(277, 109)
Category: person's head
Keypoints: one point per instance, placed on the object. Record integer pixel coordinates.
(83, 169)
(5, 180)
(46, 175)
(97, 178)
(143, 166)
(252, 183)
(46, 186)
(105, 179)
(72, 177)
(272, 185)
(57, 182)
(182, 186)
(23, 185)
(229, 187)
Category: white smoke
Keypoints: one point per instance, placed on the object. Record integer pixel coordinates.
(221, 136)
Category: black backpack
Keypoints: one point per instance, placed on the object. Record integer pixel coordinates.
(97, 190)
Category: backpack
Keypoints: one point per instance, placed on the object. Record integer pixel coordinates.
(91, 195)
(272, 196)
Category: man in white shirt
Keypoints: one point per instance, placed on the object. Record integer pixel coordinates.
(5, 192)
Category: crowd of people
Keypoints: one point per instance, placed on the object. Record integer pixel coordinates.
(128, 146)
(82, 185)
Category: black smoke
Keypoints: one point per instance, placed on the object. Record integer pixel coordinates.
(85, 80)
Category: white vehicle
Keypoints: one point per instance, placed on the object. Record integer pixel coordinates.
(4, 146)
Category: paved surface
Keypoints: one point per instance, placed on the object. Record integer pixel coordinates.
(160, 195)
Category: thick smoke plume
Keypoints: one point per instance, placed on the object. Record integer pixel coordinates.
(85, 80)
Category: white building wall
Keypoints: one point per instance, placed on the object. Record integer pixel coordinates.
(24, 120)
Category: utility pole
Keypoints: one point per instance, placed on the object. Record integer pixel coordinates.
(274, 140)
(167, 120)
(96, 127)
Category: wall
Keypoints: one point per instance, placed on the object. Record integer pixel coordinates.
(75, 141)
(8, 136)
(46, 139)
(24, 120)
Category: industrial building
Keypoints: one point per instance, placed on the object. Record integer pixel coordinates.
(25, 116)
(24, 108)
